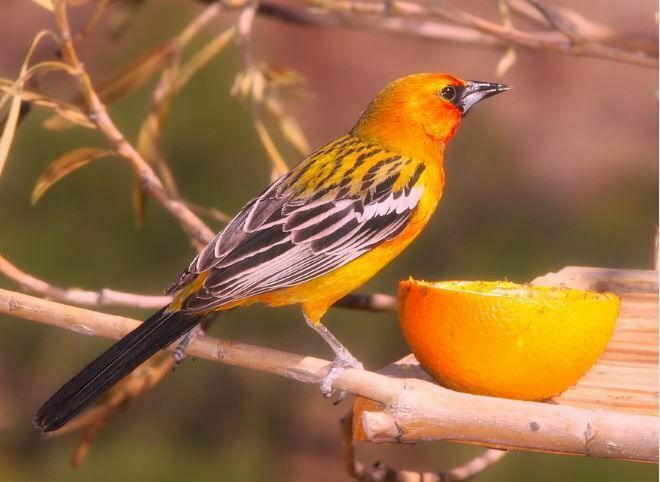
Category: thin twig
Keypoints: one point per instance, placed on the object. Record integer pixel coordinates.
(557, 21)
(100, 9)
(509, 58)
(108, 297)
(166, 88)
(420, 20)
(212, 212)
(420, 28)
(251, 83)
(102, 297)
(197, 231)
(382, 473)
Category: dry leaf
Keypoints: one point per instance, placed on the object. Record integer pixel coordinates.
(507, 61)
(258, 86)
(66, 110)
(73, 116)
(64, 165)
(47, 4)
(139, 202)
(10, 129)
(148, 137)
(203, 57)
(279, 166)
(15, 107)
(289, 126)
(242, 85)
(100, 9)
(134, 75)
(173, 79)
(123, 81)
(282, 77)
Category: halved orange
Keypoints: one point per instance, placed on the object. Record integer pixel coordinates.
(505, 339)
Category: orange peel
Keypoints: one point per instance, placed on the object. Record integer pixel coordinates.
(505, 339)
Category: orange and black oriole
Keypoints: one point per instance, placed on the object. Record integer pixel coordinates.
(314, 235)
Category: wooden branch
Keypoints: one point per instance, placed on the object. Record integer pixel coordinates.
(174, 76)
(420, 410)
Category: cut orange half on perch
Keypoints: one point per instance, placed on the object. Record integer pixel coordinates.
(505, 339)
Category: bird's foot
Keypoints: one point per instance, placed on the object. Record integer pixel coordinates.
(342, 361)
(179, 353)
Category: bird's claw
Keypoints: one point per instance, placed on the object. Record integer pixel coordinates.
(342, 361)
(179, 353)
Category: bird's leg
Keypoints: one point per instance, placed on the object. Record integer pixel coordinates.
(343, 358)
(179, 353)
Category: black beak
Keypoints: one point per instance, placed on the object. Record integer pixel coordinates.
(477, 91)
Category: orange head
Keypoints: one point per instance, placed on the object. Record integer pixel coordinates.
(417, 115)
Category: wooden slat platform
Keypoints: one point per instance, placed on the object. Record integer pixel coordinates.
(626, 376)
(625, 379)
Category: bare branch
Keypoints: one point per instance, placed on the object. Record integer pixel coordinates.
(421, 28)
(422, 20)
(556, 20)
(107, 297)
(251, 83)
(170, 83)
(102, 297)
(197, 231)
(509, 58)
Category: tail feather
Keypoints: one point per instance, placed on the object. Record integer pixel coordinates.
(154, 334)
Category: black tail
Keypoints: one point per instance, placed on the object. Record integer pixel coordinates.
(157, 332)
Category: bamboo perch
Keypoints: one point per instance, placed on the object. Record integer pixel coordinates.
(420, 409)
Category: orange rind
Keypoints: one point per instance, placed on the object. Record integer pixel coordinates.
(504, 339)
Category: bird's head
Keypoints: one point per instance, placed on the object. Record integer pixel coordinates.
(418, 114)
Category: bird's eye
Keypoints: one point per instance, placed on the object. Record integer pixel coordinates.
(448, 93)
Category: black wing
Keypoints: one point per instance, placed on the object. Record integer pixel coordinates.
(291, 234)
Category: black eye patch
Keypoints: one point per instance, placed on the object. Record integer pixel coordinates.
(452, 93)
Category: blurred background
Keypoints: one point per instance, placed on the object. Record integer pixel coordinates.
(563, 170)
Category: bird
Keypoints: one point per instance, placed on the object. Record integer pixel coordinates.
(314, 235)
